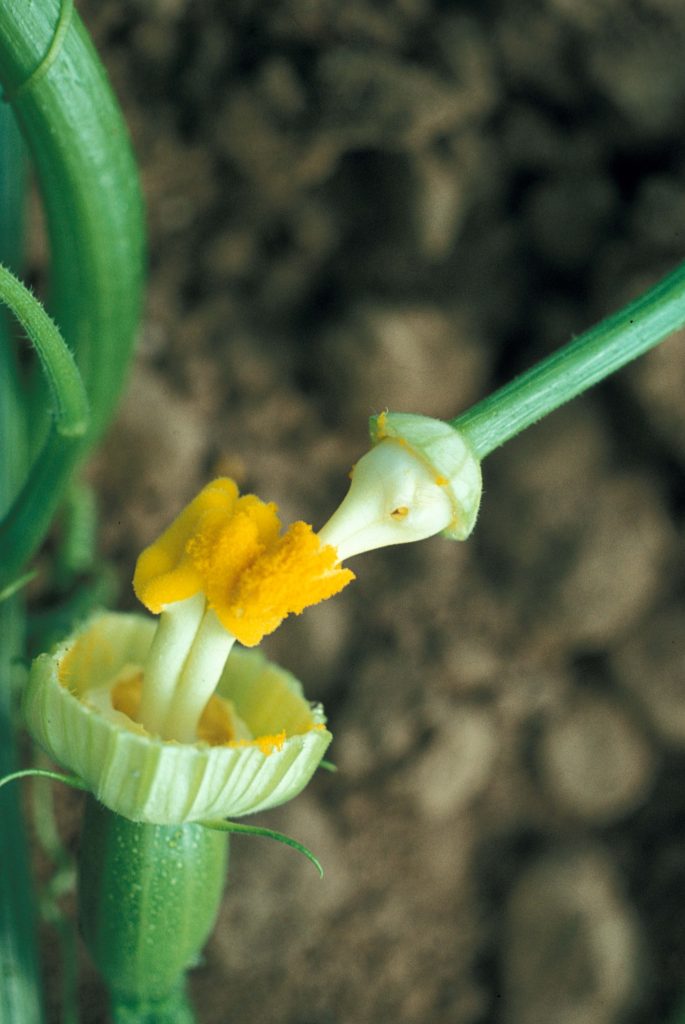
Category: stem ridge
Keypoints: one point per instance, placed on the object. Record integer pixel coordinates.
(51, 54)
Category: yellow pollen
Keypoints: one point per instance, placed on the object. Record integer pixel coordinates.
(84, 659)
(231, 549)
(126, 693)
(400, 513)
(165, 571)
(267, 744)
(215, 726)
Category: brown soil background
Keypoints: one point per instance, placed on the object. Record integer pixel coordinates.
(357, 205)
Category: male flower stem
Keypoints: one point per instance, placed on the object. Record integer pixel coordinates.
(181, 671)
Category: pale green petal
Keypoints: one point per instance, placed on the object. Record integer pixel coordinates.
(163, 782)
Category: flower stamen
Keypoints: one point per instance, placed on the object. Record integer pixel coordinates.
(198, 679)
(174, 637)
(221, 572)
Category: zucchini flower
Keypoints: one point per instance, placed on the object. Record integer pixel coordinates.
(154, 716)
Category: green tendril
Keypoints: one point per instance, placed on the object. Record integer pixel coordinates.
(61, 373)
(45, 773)
(268, 833)
(16, 585)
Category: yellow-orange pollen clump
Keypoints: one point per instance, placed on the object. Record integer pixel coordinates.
(231, 549)
(216, 725)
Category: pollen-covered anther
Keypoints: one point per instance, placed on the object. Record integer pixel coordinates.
(222, 572)
(231, 549)
(295, 572)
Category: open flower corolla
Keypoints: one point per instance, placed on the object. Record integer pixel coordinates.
(154, 715)
(261, 741)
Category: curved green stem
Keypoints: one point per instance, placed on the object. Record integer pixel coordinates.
(27, 521)
(88, 180)
(597, 353)
(89, 185)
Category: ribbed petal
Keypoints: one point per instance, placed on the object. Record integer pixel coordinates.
(163, 782)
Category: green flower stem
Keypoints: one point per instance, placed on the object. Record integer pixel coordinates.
(594, 355)
(148, 899)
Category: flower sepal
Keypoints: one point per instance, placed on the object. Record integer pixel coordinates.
(445, 452)
(419, 479)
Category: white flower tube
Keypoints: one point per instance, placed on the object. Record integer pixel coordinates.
(419, 479)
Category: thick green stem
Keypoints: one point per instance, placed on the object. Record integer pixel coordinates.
(594, 355)
(19, 986)
(148, 899)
